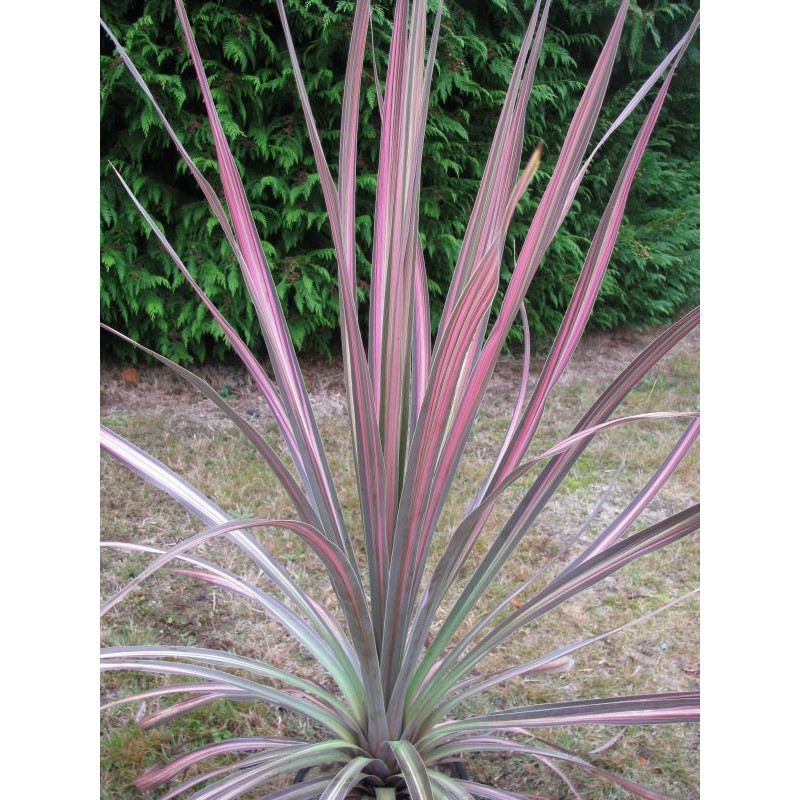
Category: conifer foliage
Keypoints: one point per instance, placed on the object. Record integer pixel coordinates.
(655, 269)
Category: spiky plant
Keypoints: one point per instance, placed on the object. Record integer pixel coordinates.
(404, 662)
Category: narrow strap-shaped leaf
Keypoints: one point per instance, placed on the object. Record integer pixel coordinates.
(558, 772)
(309, 755)
(674, 55)
(457, 552)
(537, 496)
(346, 779)
(340, 204)
(189, 706)
(586, 289)
(452, 788)
(421, 337)
(231, 661)
(623, 522)
(377, 82)
(649, 709)
(206, 188)
(387, 167)
(413, 769)
(555, 661)
(562, 588)
(299, 500)
(490, 194)
(348, 140)
(252, 365)
(481, 790)
(517, 412)
(263, 692)
(198, 504)
(261, 289)
(401, 218)
(154, 777)
(156, 473)
(341, 666)
(207, 687)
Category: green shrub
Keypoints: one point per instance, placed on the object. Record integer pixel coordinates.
(143, 294)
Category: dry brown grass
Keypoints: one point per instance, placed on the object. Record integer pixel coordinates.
(166, 418)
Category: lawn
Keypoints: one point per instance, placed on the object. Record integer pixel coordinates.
(159, 413)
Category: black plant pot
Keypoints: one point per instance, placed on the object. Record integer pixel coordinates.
(459, 769)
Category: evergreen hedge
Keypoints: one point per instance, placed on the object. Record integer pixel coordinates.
(655, 270)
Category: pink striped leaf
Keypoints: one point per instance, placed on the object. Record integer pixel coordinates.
(261, 289)
(262, 692)
(340, 204)
(198, 504)
(188, 706)
(341, 665)
(421, 337)
(500, 165)
(574, 146)
(561, 589)
(651, 709)
(554, 661)
(586, 289)
(395, 256)
(299, 500)
(464, 538)
(643, 499)
(154, 777)
(290, 760)
(535, 499)
(490, 793)
(255, 369)
(259, 669)
(177, 688)
(674, 56)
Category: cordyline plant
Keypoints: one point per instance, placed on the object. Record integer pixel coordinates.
(402, 661)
